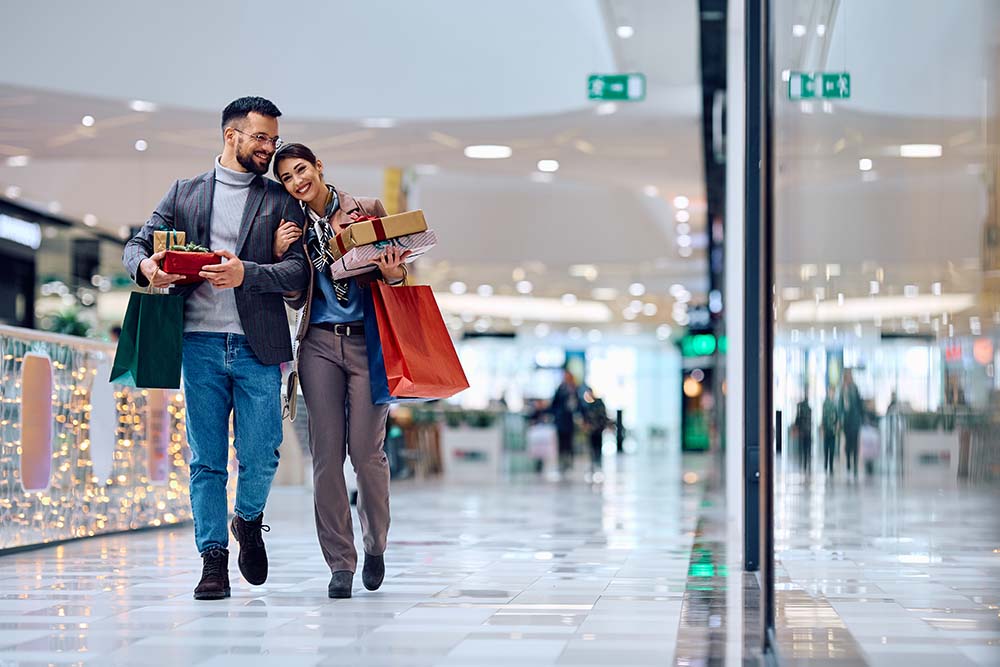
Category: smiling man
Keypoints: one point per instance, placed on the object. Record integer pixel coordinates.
(235, 332)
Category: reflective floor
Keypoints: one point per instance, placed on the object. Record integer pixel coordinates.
(530, 572)
(892, 571)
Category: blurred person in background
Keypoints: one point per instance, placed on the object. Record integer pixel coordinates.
(565, 407)
(333, 371)
(851, 416)
(830, 426)
(595, 419)
(803, 430)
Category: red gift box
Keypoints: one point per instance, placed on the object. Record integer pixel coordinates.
(188, 264)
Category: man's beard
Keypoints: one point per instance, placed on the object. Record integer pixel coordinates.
(247, 161)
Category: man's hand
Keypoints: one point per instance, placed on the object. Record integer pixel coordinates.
(150, 268)
(227, 275)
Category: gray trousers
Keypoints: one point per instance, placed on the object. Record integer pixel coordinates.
(343, 421)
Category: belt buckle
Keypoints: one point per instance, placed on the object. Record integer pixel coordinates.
(341, 330)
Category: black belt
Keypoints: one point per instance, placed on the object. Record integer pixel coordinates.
(346, 329)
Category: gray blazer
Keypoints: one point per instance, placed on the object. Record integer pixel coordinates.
(187, 207)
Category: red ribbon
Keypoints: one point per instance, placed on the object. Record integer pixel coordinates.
(376, 225)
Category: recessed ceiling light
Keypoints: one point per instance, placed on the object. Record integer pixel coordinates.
(569, 299)
(54, 207)
(548, 165)
(141, 145)
(488, 152)
(87, 121)
(18, 161)
(124, 232)
(604, 293)
(936, 289)
(90, 220)
(799, 30)
(865, 164)
(524, 287)
(13, 191)
(651, 191)
(920, 150)
(458, 287)
(821, 29)
(542, 330)
(636, 289)
(649, 309)
(378, 122)
(663, 331)
(517, 274)
(484, 290)
(682, 216)
(676, 290)
(629, 314)
(585, 271)
(681, 202)
(684, 241)
(142, 106)
(606, 108)
(684, 228)
(910, 291)
(625, 31)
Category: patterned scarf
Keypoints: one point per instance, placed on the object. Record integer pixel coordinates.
(318, 242)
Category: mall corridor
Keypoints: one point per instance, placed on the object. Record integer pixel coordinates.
(528, 572)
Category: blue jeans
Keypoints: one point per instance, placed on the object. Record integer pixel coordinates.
(221, 376)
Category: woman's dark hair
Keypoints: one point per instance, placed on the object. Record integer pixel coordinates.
(288, 151)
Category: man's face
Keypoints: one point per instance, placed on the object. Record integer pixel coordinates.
(255, 155)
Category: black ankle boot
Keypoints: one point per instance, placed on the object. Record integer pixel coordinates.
(340, 584)
(253, 556)
(373, 572)
(214, 584)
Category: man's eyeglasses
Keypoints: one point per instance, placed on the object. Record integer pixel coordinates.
(262, 138)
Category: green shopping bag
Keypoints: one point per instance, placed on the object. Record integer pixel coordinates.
(149, 348)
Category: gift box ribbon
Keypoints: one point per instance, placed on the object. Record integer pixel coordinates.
(377, 225)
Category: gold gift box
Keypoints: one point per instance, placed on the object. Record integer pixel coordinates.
(165, 239)
(366, 232)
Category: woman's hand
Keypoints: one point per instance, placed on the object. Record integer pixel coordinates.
(390, 263)
(288, 232)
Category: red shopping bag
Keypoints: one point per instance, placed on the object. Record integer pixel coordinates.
(420, 359)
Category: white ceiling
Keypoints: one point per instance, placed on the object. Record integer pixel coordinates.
(530, 62)
(926, 75)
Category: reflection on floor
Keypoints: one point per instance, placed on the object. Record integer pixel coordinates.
(522, 573)
(911, 571)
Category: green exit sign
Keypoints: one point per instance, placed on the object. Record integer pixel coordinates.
(819, 85)
(617, 87)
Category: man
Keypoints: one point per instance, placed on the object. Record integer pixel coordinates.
(564, 408)
(595, 416)
(851, 413)
(235, 332)
(803, 430)
(830, 424)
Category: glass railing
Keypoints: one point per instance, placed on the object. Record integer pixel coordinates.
(80, 456)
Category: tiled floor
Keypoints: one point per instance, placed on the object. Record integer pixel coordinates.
(910, 571)
(521, 573)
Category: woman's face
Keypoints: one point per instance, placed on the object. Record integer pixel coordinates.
(301, 178)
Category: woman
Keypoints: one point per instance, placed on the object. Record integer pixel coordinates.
(333, 371)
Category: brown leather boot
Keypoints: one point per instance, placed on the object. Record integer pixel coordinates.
(253, 556)
(214, 584)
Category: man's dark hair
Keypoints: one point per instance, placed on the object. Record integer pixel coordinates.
(293, 151)
(244, 106)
